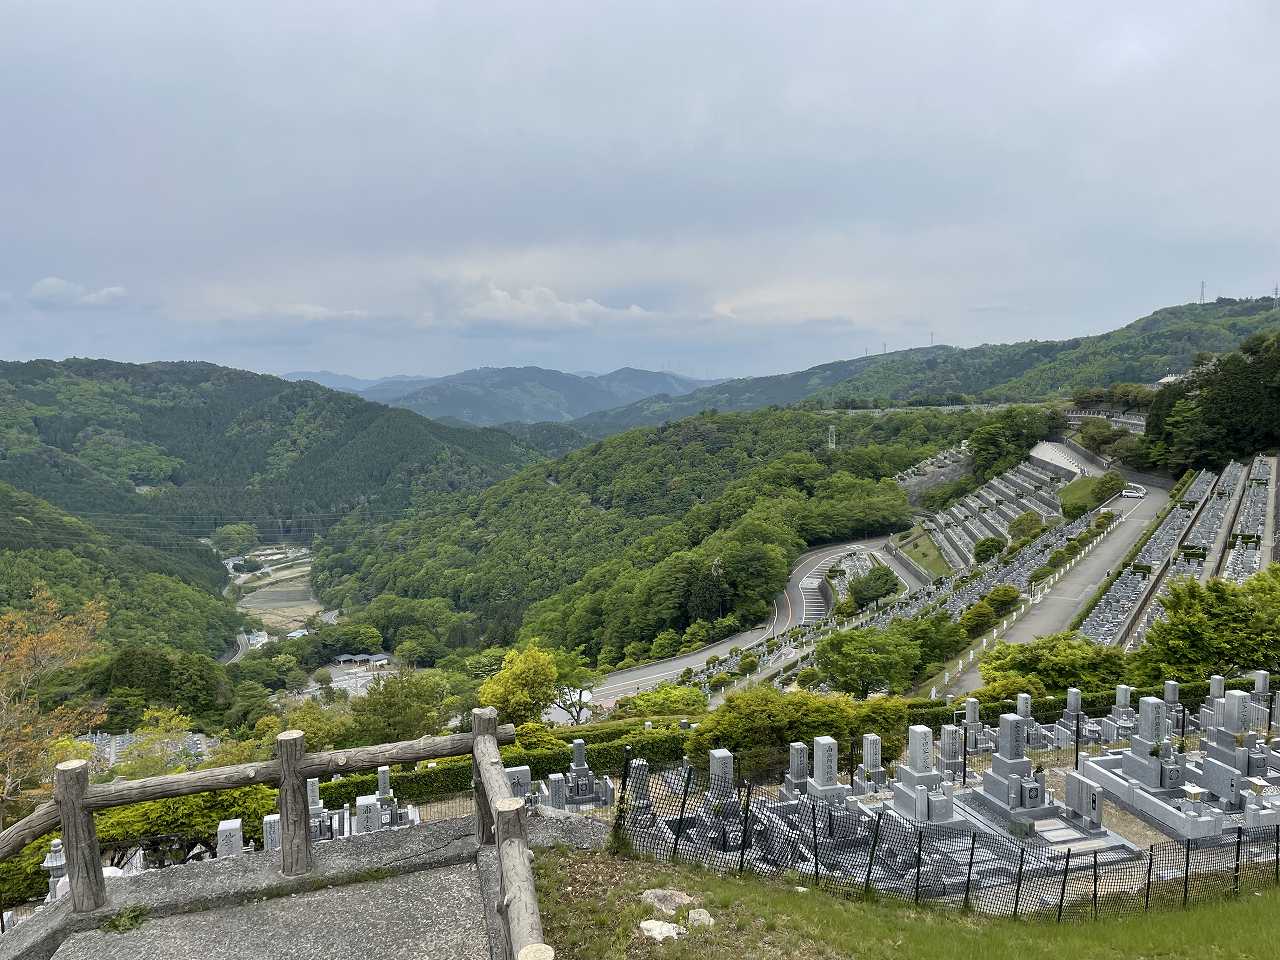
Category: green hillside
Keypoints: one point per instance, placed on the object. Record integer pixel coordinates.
(1145, 350)
(165, 596)
(201, 443)
(494, 395)
(661, 536)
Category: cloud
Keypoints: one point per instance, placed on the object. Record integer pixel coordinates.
(311, 312)
(6, 300)
(486, 309)
(55, 293)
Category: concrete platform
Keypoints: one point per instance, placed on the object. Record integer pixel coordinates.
(435, 913)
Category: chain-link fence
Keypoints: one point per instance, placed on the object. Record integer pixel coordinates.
(682, 814)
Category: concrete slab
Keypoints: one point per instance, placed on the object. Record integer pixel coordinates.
(435, 913)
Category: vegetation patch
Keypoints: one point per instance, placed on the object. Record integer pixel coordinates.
(591, 911)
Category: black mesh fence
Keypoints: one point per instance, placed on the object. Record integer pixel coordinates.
(682, 814)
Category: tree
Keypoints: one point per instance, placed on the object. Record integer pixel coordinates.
(235, 539)
(159, 745)
(1058, 661)
(988, 547)
(36, 643)
(1026, 525)
(867, 661)
(574, 680)
(978, 619)
(1003, 598)
(524, 688)
(403, 706)
(664, 700)
(1218, 627)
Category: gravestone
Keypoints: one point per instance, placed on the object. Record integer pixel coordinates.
(640, 809)
(521, 780)
(1011, 782)
(870, 775)
(557, 791)
(368, 814)
(824, 784)
(230, 838)
(384, 782)
(951, 742)
(797, 776)
(271, 831)
(919, 793)
(722, 782)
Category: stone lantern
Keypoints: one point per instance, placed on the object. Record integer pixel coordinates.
(55, 863)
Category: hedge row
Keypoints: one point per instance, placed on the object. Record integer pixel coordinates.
(453, 774)
(1095, 704)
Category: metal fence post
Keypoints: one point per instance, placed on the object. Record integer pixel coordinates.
(1095, 884)
(1017, 891)
(1062, 894)
(746, 830)
(1076, 765)
(968, 876)
(871, 853)
(1277, 857)
(1151, 862)
(1186, 874)
(814, 825)
(1236, 875)
(919, 860)
(684, 803)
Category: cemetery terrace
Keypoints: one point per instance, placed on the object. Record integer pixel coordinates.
(1147, 805)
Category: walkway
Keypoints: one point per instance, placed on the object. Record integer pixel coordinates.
(788, 611)
(437, 913)
(1059, 607)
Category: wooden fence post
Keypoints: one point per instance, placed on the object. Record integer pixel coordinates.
(79, 837)
(295, 817)
(484, 721)
(519, 904)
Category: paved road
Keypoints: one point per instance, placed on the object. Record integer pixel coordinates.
(1060, 605)
(788, 611)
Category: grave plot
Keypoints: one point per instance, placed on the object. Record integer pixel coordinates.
(979, 817)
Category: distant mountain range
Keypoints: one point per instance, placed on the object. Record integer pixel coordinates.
(1165, 342)
(494, 395)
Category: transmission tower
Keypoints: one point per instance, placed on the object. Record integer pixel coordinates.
(831, 437)
(1201, 292)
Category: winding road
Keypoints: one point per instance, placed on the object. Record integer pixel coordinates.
(790, 609)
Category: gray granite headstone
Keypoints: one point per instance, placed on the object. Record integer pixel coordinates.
(521, 779)
(920, 748)
(798, 762)
(271, 831)
(384, 782)
(721, 771)
(230, 838)
(824, 761)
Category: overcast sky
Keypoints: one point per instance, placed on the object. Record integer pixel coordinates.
(413, 187)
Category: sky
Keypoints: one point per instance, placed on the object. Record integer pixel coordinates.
(718, 189)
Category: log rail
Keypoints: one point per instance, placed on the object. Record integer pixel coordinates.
(500, 816)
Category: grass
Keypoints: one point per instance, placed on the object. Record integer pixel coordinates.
(1079, 492)
(591, 911)
(924, 551)
(130, 918)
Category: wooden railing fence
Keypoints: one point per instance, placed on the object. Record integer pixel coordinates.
(500, 816)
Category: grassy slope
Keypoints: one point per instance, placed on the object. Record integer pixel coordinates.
(591, 910)
(921, 548)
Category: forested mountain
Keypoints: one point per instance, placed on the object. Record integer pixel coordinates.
(1165, 342)
(166, 595)
(652, 540)
(1227, 408)
(202, 444)
(334, 381)
(493, 395)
